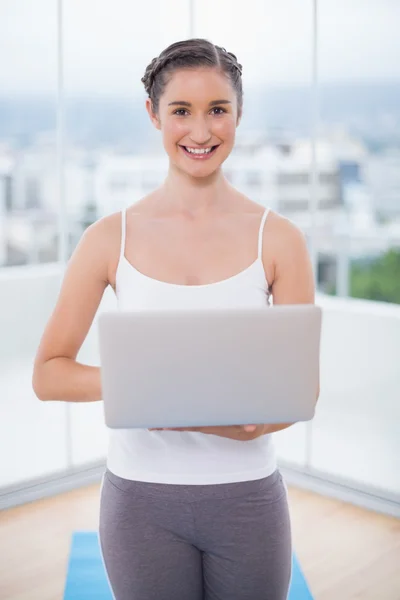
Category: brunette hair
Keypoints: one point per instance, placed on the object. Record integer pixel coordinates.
(189, 54)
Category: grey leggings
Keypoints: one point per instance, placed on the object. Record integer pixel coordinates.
(228, 541)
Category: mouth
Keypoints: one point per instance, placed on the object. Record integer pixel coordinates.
(199, 153)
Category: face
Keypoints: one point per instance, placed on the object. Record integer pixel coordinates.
(197, 116)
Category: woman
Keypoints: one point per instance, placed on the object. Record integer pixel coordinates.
(199, 512)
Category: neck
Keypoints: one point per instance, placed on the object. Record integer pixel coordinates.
(193, 196)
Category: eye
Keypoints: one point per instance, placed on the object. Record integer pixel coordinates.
(219, 108)
(179, 112)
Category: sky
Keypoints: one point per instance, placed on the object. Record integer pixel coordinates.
(108, 43)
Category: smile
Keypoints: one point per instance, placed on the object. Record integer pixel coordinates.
(199, 153)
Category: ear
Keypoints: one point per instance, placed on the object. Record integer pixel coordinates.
(239, 118)
(153, 117)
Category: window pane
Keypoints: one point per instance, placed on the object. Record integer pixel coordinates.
(28, 82)
(32, 434)
(355, 431)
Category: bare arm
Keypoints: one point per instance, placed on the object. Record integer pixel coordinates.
(57, 375)
(294, 281)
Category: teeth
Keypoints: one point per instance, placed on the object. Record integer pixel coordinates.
(198, 150)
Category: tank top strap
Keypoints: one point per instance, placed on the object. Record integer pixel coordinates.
(261, 232)
(123, 233)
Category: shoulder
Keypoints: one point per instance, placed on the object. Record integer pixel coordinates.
(100, 233)
(100, 244)
(284, 235)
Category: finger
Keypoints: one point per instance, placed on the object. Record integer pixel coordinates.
(249, 428)
(167, 429)
(182, 429)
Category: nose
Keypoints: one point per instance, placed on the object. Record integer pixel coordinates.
(200, 131)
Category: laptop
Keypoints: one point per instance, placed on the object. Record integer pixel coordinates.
(186, 368)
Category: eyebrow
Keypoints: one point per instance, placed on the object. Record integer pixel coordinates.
(212, 103)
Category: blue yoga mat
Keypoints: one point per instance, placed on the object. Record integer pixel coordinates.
(87, 580)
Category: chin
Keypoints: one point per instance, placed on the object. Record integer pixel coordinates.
(202, 173)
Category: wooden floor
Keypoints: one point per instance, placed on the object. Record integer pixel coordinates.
(345, 552)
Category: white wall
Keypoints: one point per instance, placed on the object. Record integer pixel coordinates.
(355, 430)
(33, 435)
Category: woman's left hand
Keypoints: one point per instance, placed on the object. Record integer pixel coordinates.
(235, 432)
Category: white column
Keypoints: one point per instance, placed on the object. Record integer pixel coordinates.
(314, 188)
(313, 206)
(3, 224)
(191, 18)
(62, 210)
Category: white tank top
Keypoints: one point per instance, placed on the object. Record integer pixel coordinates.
(189, 457)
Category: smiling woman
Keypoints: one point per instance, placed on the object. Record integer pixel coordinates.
(202, 512)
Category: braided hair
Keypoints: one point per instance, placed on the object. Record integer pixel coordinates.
(191, 54)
